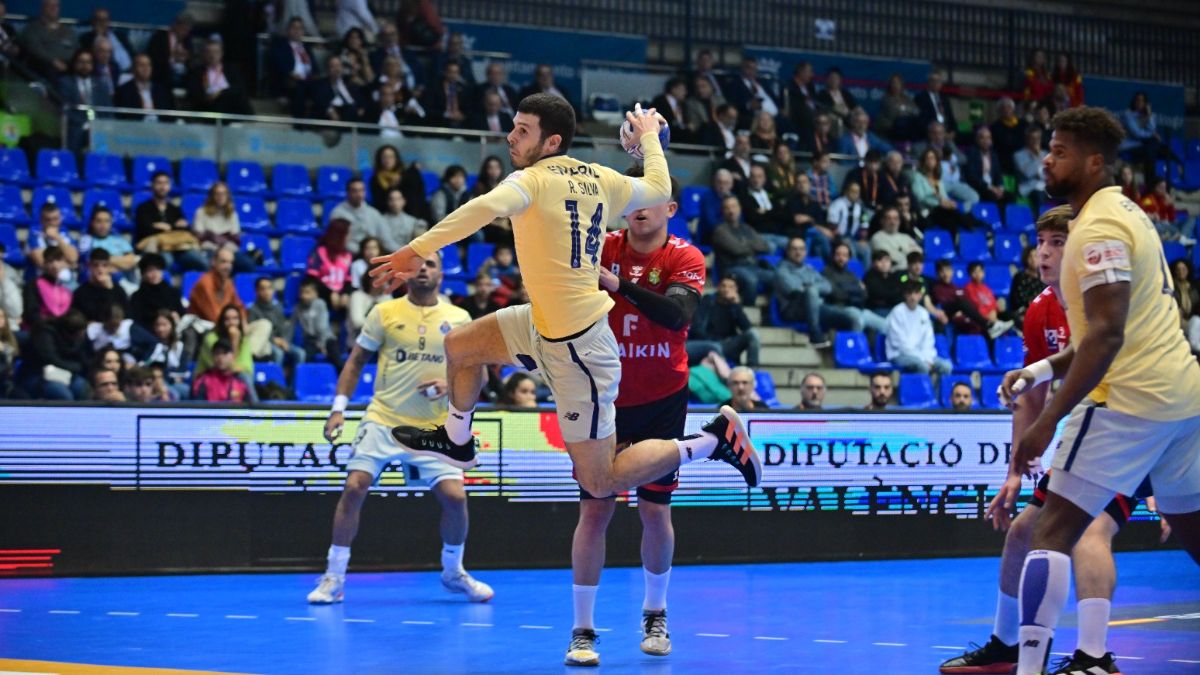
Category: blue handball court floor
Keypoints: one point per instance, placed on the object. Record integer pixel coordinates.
(892, 617)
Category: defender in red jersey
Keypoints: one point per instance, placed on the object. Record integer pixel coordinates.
(655, 280)
(1046, 333)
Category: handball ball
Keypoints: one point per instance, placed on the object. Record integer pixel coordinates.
(632, 144)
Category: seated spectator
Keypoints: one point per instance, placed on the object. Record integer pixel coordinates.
(385, 113)
(1160, 206)
(1041, 121)
(496, 82)
(113, 330)
(160, 227)
(81, 87)
(388, 47)
(56, 366)
(221, 383)
(721, 132)
(750, 93)
(502, 264)
(812, 392)
(214, 88)
(100, 291)
(1027, 162)
(364, 221)
(737, 246)
(1027, 284)
(491, 172)
(961, 397)
(763, 136)
(388, 172)
(850, 221)
(451, 195)
(1038, 83)
(835, 100)
(799, 289)
(823, 189)
(232, 330)
(334, 97)
(155, 294)
(821, 139)
(479, 302)
(1008, 133)
(883, 288)
(1142, 138)
(10, 350)
(215, 290)
(405, 102)
(104, 70)
(1128, 183)
(47, 42)
(899, 118)
(808, 217)
(215, 223)
(743, 387)
(169, 353)
(800, 99)
(543, 83)
(139, 385)
(893, 183)
(491, 116)
(720, 324)
(890, 239)
(100, 236)
(845, 306)
(758, 211)
(707, 377)
(705, 69)
(455, 52)
(519, 391)
(142, 91)
(1187, 296)
(330, 262)
(49, 234)
(939, 137)
(163, 392)
(711, 205)
(868, 176)
(910, 336)
(739, 162)
(48, 296)
(312, 314)
(445, 100)
(106, 386)
(366, 296)
(170, 51)
(982, 170)
(782, 175)
(356, 64)
(915, 272)
(670, 104)
(279, 347)
(12, 301)
(880, 391)
(957, 306)
(911, 222)
(929, 194)
(859, 139)
(292, 66)
(981, 295)
(369, 248)
(933, 105)
(700, 110)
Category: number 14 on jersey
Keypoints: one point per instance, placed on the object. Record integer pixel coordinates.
(592, 246)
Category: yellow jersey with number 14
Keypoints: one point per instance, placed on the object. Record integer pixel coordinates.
(1154, 375)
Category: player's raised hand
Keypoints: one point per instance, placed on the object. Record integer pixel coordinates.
(396, 268)
(333, 426)
(1015, 383)
(643, 123)
(1001, 509)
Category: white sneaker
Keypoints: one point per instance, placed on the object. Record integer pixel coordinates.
(656, 641)
(1187, 241)
(328, 591)
(999, 328)
(582, 651)
(475, 590)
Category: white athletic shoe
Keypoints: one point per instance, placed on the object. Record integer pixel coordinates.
(474, 589)
(656, 641)
(999, 328)
(328, 591)
(582, 651)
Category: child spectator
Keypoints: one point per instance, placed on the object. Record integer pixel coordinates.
(48, 296)
(910, 335)
(60, 353)
(958, 308)
(981, 295)
(139, 385)
(370, 248)
(480, 302)
(281, 350)
(313, 316)
(883, 289)
(231, 328)
(1160, 206)
(330, 264)
(503, 263)
(100, 290)
(168, 354)
(155, 294)
(114, 330)
(220, 383)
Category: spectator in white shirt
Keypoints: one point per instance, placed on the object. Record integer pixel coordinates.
(910, 345)
(849, 218)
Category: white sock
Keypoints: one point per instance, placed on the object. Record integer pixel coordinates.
(1008, 619)
(1045, 582)
(339, 558)
(656, 589)
(699, 445)
(585, 605)
(1093, 626)
(452, 557)
(458, 424)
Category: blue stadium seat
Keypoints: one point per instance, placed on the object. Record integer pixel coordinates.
(291, 292)
(998, 276)
(852, 350)
(1174, 250)
(12, 247)
(477, 254)
(331, 181)
(916, 391)
(269, 372)
(294, 251)
(244, 283)
(191, 202)
(1007, 248)
(941, 344)
(197, 174)
(14, 167)
(136, 200)
(452, 262)
(690, 199)
(327, 208)
(253, 241)
(1193, 149)
(1010, 352)
(295, 216)
(777, 320)
(246, 178)
(973, 246)
(111, 200)
(189, 280)
(987, 391)
(105, 170)
(252, 215)
(1191, 175)
(988, 213)
(57, 167)
(55, 195)
(1018, 218)
(291, 180)
(764, 384)
(144, 168)
(971, 353)
(938, 245)
(365, 388)
(960, 273)
(947, 384)
(12, 205)
(432, 182)
(455, 288)
(315, 382)
(817, 263)
(856, 267)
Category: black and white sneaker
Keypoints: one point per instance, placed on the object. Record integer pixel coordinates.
(437, 444)
(734, 446)
(1082, 663)
(993, 657)
(582, 651)
(656, 641)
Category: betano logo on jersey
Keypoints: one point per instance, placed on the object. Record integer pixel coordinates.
(403, 355)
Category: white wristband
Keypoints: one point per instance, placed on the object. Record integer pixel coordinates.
(339, 403)
(1042, 371)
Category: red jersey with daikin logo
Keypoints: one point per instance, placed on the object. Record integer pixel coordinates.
(1046, 331)
(653, 357)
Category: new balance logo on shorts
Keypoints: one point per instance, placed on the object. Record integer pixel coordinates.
(572, 416)
(1032, 643)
